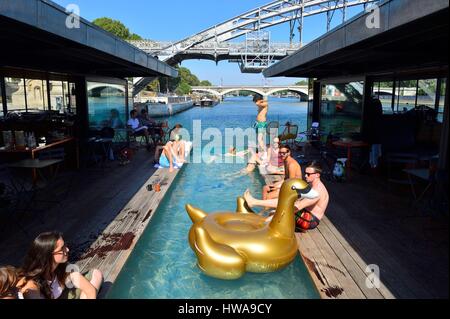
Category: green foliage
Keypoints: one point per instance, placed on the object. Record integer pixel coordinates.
(302, 82)
(181, 85)
(187, 77)
(135, 36)
(153, 86)
(116, 27)
(183, 89)
(205, 83)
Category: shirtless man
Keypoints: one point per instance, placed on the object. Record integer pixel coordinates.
(309, 212)
(261, 119)
(292, 169)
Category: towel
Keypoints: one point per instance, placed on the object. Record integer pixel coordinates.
(175, 166)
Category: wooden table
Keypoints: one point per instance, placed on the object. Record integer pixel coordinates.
(34, 151)
(349, 145)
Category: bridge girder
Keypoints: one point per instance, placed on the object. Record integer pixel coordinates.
(274, 13)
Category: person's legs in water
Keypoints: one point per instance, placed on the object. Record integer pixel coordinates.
(252, 202)
(250, 167)
(269, 192)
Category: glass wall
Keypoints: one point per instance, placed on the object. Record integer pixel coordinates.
(1, 97)
(405, 96)
(15, 94)
(36, 95)
(106, 105)
(341, 108)
(440, 114)
(408, 95)
(384, 92)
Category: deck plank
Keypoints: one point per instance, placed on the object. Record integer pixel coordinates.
(132, 222)
(400, 283)
(322, 275)
(339, 243)
(342, 271)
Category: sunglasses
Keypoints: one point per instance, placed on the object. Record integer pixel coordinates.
(283, 153)
(308, 174)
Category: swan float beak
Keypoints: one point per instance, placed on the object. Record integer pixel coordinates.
(307, 192)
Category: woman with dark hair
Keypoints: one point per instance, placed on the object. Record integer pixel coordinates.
(8, 283)
(45, 272)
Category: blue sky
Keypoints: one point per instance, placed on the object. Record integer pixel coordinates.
(176, 19)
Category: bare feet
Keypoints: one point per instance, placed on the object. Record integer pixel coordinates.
(171, 169)
(249, 198)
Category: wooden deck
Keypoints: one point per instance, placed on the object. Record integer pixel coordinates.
(338, 252)
(113, 247)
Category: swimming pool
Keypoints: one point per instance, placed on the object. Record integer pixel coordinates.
(163, 265)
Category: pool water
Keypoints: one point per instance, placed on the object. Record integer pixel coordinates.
(163, 265)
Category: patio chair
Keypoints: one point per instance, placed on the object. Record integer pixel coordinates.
(272, 126)
(289, 133)
(135, 137)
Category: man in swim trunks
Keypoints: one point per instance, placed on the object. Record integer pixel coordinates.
(261, 119)
(309, 212)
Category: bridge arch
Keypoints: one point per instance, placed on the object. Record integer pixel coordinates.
(243, 89)
(95, 89)
(213, 92)
(302, 92)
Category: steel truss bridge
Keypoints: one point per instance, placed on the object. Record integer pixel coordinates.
(257, 52)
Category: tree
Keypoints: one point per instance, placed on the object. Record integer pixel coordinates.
(302, 82)
(183, 89)
(205, 83)
(135, 36)
(116, 27)
(153, 86)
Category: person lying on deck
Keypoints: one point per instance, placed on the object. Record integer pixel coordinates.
(8, 283)
(308, 212)
(45, 273)
(292, 169)
(173, 154)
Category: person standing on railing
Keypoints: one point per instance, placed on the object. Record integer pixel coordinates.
(261, 120)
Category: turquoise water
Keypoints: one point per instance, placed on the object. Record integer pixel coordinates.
(163, 265)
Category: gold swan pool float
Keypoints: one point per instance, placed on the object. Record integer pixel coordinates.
(228, 244)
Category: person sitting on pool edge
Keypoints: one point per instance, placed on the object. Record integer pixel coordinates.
(292, 169)
(45, 273)
(309, 212)
(173, 154)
